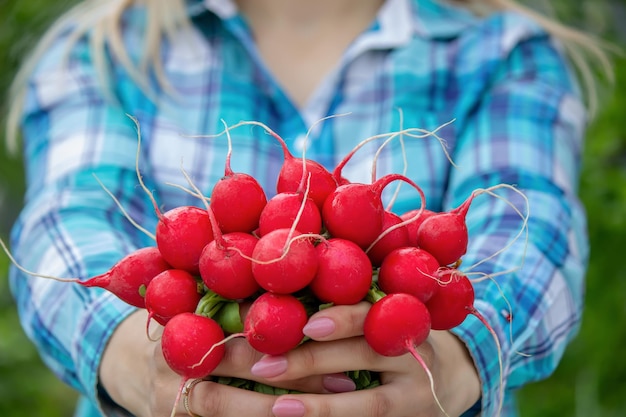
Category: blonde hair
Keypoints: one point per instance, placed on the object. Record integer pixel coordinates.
(166, 17)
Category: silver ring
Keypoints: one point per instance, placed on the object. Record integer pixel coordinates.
(187, 394)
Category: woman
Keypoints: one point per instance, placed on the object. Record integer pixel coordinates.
(180, 68)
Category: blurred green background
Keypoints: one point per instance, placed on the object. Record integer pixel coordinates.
(591, 380)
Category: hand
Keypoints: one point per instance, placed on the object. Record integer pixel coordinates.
(405, 389)
(133, 371)
(136, 376)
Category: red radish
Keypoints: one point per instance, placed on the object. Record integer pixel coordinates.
(291, 174)
(445, 235)
(453, 301)
(414, 225)
(396, 323)
(274, 323)
(344, 274)
(355, 211)
(223, 268)
(284, 263)
(237, 201)
(409, 270)
(186, 339)
(127, 279)
(181, 234)
(397, 238)
(170, 293)
(281, 212)
(295, 171)
(225, 264)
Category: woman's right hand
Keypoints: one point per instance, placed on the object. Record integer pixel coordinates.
(136, 376)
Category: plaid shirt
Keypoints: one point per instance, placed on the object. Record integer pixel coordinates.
(516, 118)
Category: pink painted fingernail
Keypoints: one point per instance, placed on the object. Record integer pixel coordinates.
(318, 328)
(269, 366)
(288, 408)
(338, 383)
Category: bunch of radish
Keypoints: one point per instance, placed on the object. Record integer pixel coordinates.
(320, 240)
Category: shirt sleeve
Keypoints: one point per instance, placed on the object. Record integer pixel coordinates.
(69, 226)
(527, 131)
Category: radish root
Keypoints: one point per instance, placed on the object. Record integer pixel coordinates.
(31, 273)
(407, 132)
(404, 222)
(523, 229)
(405, 162)
(419, 358)
(139, 176)
(188, 191)
(124, 212)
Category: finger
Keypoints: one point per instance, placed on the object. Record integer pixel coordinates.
(390, 399)
(323, 358)
(340, 356)
(240, 359)
(337, 322)
(209, 399)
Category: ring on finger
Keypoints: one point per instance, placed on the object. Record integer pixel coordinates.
(187, 395)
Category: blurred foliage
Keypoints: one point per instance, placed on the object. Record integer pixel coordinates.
(590, 379)
(27, 387)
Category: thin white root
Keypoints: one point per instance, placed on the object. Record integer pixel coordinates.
(395, 227)
(195, 188)
(123, 210)
(292, 230)
(407, 132)
(221, 342)
(230, 143)
(188, 191)
(285, 250)
(480, 317)
(139, 176)
(31, 273)
(236, 125)
(308, 133)
(509, 310)
(404, 222)
(419, 358)
(178, 395)
(523, 228)
(405, 163)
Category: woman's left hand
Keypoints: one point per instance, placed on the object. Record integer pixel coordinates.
(338, 345)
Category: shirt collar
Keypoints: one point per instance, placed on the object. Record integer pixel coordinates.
(440, 20)
(396, 23)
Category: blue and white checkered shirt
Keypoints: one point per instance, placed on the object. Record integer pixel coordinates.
(517, 119)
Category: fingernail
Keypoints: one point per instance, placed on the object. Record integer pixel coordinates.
(318, 328)
(288, 408)
(338, 383)
(269, 366)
